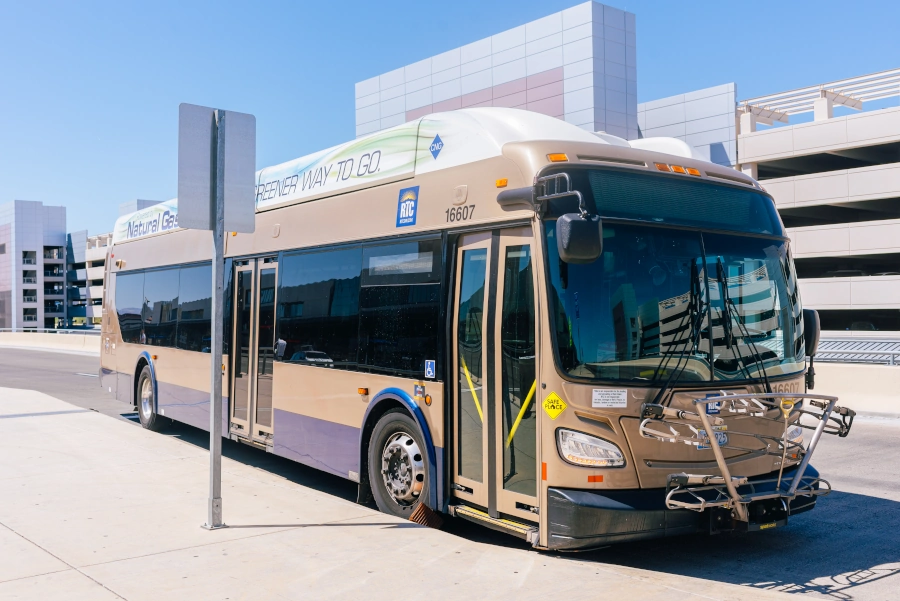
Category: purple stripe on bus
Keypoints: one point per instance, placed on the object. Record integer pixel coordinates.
(188, 406)
(318, 443)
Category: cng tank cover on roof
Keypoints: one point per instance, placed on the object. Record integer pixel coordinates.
(433, 142)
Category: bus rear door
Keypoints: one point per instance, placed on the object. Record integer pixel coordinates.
(255, 283)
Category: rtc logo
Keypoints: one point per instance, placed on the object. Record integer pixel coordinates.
(406, 206)
(436, 146)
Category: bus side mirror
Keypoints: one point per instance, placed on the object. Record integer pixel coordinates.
(811, 329)
(579, 238)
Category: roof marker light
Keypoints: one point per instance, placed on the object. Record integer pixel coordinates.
(694, 172)
(502, 182)
(558, 157)
(679, 169)
(662, 166)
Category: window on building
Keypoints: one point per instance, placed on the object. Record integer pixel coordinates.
(318, 309)
(2, 249)
(129, 300)
(400, 307)
(160, 307)
(195, 309)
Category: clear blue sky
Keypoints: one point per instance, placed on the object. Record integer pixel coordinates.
(89, 91)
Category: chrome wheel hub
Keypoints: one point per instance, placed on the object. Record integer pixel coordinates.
(146, 398)
(403, 469)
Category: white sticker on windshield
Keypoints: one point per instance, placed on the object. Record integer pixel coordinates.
(609, 399)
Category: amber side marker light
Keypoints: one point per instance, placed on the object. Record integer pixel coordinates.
(428, 400)
(595, 478)
(557, 157)
(679, 169)
(694, 172)
(662, 166)
(502, 182)
(362, 391)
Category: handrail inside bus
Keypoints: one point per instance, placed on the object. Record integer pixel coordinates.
(472, 388)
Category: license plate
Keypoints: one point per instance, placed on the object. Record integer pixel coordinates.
(720, 434)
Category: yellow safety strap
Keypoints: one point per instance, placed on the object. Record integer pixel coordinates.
(471, 388)
(512, 431)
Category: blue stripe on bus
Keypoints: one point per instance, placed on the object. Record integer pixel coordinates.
(318, 443)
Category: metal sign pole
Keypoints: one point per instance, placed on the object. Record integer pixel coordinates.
(214, 513)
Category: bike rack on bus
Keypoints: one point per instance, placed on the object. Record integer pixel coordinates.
(701, 492)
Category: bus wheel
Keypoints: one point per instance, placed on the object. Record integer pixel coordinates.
(146, 402)
(398, 472)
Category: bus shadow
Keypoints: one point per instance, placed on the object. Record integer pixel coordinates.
(846, 542)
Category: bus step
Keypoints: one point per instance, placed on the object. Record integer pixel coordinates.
(524, 531)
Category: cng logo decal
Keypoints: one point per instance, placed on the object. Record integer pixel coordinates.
(436, 146)
(554, 405)
(406, 206)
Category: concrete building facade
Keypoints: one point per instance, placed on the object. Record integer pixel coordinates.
(86, 260)
(836, 183)
(32, 265)
(578, 65)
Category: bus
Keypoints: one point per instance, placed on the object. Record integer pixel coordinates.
(494, 315)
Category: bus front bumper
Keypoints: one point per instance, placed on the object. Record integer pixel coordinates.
(586, 519)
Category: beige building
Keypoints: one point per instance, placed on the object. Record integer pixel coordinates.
(836, 183)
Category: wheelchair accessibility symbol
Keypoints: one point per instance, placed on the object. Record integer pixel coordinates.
(429, 368)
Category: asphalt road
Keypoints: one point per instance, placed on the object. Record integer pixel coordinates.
(847, 548)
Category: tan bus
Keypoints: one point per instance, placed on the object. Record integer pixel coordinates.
(495, 315)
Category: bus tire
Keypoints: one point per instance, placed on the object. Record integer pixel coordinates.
(146, 402)
(398, 464)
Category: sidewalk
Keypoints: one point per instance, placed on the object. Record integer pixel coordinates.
(96, 508)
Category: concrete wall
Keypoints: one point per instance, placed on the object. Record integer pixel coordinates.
(873, 389)
(864, 129)
(84, 343)
(705, 119)
(847, 185)
(864, 292)
(846, 239)
(578, 64)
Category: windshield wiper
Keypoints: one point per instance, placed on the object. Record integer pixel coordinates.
(696, 312)
(728, 307)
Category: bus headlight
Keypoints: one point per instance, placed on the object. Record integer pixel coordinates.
(579, 448)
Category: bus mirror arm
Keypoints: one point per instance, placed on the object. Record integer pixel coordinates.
(811, 330)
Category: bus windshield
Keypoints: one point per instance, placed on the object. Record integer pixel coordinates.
(645, 307)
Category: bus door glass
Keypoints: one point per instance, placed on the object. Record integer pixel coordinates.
(495, 418)
(254, 349)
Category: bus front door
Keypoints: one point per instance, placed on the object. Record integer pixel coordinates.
(495, 443)
(254, 350)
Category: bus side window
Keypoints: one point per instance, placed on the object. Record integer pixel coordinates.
(129, 299)
(318, 309)
(400, 307)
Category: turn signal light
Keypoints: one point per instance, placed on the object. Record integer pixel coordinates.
(154, 357)
(428, 400)
(662, 166)
(557, 157)
(362, 391)
(679, 169)
(595, 478)
(694, 172)
(502, 182)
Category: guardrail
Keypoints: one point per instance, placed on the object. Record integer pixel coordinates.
(858, 350)
(89, 332)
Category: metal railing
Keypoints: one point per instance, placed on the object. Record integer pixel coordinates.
(29, 318)
(88, 331)
(27, 261)
(859, 350)
(54, 274)
(29, 299)
(29, 280)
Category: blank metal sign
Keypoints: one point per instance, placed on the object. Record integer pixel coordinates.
(196, 161)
